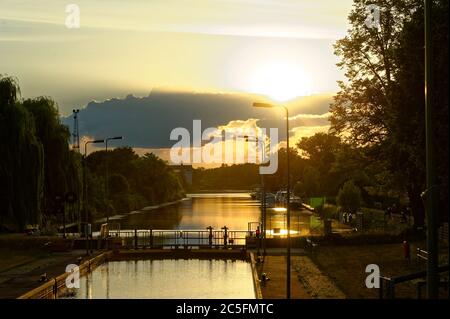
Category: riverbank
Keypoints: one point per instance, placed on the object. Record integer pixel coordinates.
(142, 210)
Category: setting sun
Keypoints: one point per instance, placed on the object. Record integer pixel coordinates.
(280, 81)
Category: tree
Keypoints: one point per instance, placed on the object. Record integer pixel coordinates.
(407, 123)
(21, 163)
(381, 105)
(62, 172)
(349, 197)
(309, 185)
(134, 181)
(320, 152)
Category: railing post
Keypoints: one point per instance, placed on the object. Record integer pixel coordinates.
(419, 290)
(151, 238)
(225, 236)
(55, 289)
(391, 289)
(381, 288)
(210, 237)
(135, 239)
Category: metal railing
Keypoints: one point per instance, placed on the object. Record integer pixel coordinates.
(56, 287)
(181, 238)
(387, 285)
(421, 254)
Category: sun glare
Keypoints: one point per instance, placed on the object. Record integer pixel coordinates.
(280, 81)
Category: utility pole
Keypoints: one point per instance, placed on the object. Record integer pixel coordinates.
(76, 148)
(76, 133)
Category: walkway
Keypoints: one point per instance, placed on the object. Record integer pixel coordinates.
(18, 280)
(307, 281)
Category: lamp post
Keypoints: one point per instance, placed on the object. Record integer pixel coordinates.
(107, 174)
(263, 192)
(288, 194)
(431, 194)
(85, 206)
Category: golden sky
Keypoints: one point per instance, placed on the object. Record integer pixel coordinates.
(280, 48)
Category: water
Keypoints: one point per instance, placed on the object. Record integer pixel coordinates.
(217, 210)
(168, 279)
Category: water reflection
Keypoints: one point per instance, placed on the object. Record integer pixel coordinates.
(147, 279)
(216, 210)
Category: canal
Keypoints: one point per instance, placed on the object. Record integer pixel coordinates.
(217, 210)
(168, 279)
(186, 278)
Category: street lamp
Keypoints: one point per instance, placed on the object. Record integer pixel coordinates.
(85, 189)
(107, 174)
(288, 194)
(263, 191)
(432, 191)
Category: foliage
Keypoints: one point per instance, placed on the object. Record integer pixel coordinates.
(37, 166)
(381, 105)
(62, 172)
(134, 182)
(245, 176)
(21, 163)
(349, 197)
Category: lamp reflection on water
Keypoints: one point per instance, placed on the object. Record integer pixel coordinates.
(280, 232)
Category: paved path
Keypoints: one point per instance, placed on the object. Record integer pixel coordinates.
(307, 281)
(275, 288)
(17, 281)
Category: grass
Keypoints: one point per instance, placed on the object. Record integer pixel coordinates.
(346, 265)
(374, 220)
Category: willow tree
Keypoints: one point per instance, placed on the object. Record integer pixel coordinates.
(62, 171)
(21, 161)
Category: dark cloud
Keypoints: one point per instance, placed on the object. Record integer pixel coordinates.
(147, 122)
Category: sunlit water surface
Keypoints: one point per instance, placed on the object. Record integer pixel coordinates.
(170, 279)
(234, 210)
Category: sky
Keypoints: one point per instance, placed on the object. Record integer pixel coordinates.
(196, 45)
(281, 49)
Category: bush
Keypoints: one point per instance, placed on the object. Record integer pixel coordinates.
(349, 197)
